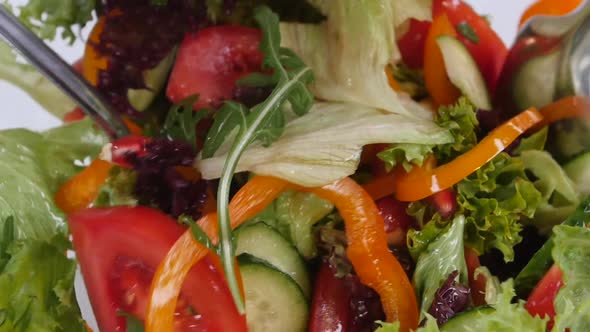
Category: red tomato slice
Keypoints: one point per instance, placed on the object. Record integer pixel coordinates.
(445, 202)
(411, 44)
(119, 249)
(330, 309)
(490, 51)
(477, 285)
(540, 302)
(210, 61)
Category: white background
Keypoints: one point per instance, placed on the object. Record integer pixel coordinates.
(19, 110)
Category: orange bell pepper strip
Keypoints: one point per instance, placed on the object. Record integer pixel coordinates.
(367, 250)
(565, 108)
(167, 283)
(418, 185)
(81, 190)
(424, 181)
(549, 7)
(93, 61)
(437, 82)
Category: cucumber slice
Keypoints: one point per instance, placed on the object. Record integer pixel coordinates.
(534, 84)
(579, 171)
(274, 301)
(463, 71)
(154, 79)
(262, 241)
(465, 320)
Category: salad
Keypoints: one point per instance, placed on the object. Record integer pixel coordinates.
(351, 165)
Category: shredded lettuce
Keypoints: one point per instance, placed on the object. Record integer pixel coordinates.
(560, 196)
(325, 145)
(48, 17)
(36, 285)
(572, 254)
(26, 77)
(443, 256)
(494, 199)
(33, 165)
(294, 214)
(351, 49)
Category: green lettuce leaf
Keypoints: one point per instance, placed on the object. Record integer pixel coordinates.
(351, 49)
(493, 199)
(560, 196)
(48, 17)
(26, 77)
(326, 144)
(33, 165)
(37, 285)
(294, 214)
(461, 122)
(572, 254)
(542, 260)
(442, 257)
(503, 315)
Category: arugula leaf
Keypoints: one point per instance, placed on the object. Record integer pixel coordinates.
(181, 121)
(572, 254)
(118, 189)
(47, 17)
(411, 80)
(467, 31)
(264, 123)
(442, 257)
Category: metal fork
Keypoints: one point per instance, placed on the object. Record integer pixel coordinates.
(57, 70)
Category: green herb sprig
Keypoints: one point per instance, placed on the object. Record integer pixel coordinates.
(264, 123)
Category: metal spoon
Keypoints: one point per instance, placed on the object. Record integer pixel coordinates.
(550, 59)
(57, 70)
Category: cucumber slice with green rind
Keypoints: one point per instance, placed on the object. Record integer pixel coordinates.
(274, 301)
(262, 241)
(464, 72)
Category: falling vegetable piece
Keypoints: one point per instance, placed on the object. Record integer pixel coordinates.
(549, 7)
(367, 251)
(82, 189)
(438, 84)
(422, 182)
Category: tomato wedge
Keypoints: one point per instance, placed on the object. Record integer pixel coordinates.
(540, 302)
(488, 49)
(411, 44)
(210, 61)
(119, 249)
(330, 309)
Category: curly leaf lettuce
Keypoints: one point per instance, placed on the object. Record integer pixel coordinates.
(326, 144)
(33, 165)
(351, 49)
(27, 78)
(493, 199)
(572, 254)
(47, 17)
(443, 256)
(461, 122)
(37, 285)
(503, 315)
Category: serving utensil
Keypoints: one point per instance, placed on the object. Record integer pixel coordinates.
(61, 73)
(549, 59)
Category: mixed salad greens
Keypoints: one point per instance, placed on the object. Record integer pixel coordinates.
(294, 165)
